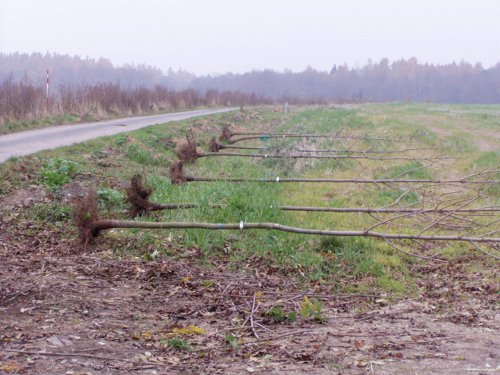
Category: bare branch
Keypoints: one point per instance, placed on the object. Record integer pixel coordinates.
(478, 248)
(184, 154)
(412, 254)
(97, 226)
(268, 136)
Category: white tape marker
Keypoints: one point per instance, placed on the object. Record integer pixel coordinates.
(241, 224)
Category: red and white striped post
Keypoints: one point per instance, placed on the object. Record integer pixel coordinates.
(47, 92)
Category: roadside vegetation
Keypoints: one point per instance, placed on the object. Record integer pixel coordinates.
(24, 105)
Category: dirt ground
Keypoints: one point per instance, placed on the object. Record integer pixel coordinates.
(65, 309)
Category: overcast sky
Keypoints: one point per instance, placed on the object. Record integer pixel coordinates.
(217, 36)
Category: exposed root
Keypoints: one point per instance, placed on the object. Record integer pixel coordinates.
(226, 134)
(214, 146)
(85, 213)
(137, 196)
(177, 173)
(187, 151)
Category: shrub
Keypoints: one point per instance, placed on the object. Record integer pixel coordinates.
(58, 171)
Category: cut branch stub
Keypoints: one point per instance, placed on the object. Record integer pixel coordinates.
(177, 173)
(138, 195)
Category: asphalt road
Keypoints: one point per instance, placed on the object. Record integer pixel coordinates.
(31, 141)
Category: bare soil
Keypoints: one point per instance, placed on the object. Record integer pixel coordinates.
(75, 310)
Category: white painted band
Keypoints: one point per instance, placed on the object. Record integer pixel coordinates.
(241, 224)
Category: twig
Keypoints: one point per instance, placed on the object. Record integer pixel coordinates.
(264, 327)
(225, 290)
(492, 171)
(483, 227)
(55, 354)
(272, 338)
(146, 367)
(386, 221)
(414, 255)
(485, 252)
(251, 317)
(399, 198)
(449, 214)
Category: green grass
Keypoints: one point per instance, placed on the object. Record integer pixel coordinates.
(458, 144)
(486, 160)
(413, 170)
(386, 197)
(179, 344)
(144, 157)
(55, 213)
(353, 256)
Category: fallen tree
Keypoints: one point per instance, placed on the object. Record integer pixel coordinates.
(188, 152)
(138, 196)
(178, 177)
(227, 134)
(214, 146)
(90, 226)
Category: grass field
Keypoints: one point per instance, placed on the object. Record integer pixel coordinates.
(469, 136)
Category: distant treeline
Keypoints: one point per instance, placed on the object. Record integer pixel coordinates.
(402, 80)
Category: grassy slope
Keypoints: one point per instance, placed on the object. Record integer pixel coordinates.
(107, 163)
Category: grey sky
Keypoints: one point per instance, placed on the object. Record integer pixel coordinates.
(217, 36)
